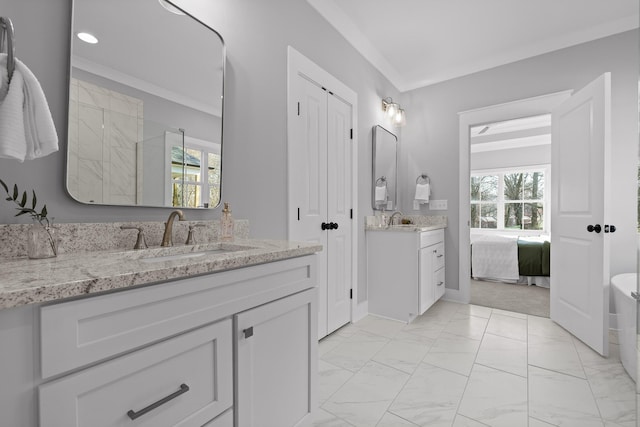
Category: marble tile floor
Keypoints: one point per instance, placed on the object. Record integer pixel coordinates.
(462, 365)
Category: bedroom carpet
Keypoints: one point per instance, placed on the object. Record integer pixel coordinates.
(524, 299)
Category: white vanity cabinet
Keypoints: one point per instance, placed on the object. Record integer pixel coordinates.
(177, 353)
(405, 272)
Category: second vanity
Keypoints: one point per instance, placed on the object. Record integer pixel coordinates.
(209, 335)
(405, 267)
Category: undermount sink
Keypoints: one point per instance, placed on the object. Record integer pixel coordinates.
(187, 255)
(188, 252)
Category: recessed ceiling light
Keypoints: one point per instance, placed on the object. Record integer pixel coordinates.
(87, 38)
(171, 8)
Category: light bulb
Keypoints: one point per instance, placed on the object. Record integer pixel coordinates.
(400, 118)
(392, 109)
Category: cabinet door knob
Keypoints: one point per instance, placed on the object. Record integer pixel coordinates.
(248, 333)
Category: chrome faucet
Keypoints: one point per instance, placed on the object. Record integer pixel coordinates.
(167, 239)
(393, 216)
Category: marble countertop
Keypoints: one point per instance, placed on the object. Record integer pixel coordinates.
(25, 281)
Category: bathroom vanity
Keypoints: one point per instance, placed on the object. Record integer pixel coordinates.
(405, 267)
(195, 335)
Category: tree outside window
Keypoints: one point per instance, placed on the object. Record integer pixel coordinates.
(509, 200)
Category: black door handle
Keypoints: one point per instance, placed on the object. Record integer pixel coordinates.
(329, 226)
(597, 228)
(609, 228)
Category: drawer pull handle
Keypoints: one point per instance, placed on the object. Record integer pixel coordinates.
(440, 256)
(133, 414)
(248, 333)
(440, 283)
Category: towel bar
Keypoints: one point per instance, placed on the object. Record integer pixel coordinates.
(422, 179)
(6, 39)
(381, 181)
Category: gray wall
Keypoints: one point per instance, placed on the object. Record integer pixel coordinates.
(256, 34)
(430, 140)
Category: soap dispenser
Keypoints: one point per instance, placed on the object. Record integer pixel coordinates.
(226, 224)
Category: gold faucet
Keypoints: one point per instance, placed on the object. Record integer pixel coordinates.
(168, 227)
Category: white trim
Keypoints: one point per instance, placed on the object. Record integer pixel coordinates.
(507, 111)
(298, 64)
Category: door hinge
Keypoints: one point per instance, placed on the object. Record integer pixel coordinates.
(298, 108)
(324, 88)
(351, 214)
(350, 293)
(351, 134)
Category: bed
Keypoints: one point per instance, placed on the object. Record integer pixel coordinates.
(512, 259)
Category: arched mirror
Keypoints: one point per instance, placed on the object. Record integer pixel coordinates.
(384, 195)
(145, 106)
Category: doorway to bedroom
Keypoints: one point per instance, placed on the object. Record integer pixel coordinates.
(510, 170)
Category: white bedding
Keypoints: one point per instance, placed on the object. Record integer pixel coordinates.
(495, 258)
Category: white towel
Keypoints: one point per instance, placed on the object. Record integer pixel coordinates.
(26, 127)
(423, 191)
(381, 193)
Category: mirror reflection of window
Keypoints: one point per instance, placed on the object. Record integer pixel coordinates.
(195, 177)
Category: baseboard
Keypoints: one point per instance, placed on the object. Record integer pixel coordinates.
(613, 321)
(360, 311)
(455, 295)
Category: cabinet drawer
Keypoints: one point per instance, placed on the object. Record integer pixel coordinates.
(438, 255)
(440, 284)
(187, 378)
(428, 238)
(89, 330)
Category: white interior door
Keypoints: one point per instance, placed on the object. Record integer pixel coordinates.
(308, 181)
(339, 152)
(580, 198)
(322, 184)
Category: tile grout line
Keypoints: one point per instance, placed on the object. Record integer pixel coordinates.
(471, 372)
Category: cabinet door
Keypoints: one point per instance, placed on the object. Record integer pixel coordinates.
(427, 292)
(276, 364)
(184, 381)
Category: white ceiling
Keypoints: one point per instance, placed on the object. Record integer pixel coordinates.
(416, 43)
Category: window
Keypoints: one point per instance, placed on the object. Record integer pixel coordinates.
(509, 199)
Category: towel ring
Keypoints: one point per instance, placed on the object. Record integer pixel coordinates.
(6, 41)
(422, 179)
(381, 181)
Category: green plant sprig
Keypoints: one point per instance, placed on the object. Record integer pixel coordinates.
(22, 201)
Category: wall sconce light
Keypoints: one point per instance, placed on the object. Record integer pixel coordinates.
(394, 112)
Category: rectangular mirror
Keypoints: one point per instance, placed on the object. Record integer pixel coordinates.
(385, 163)
(145, 106)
